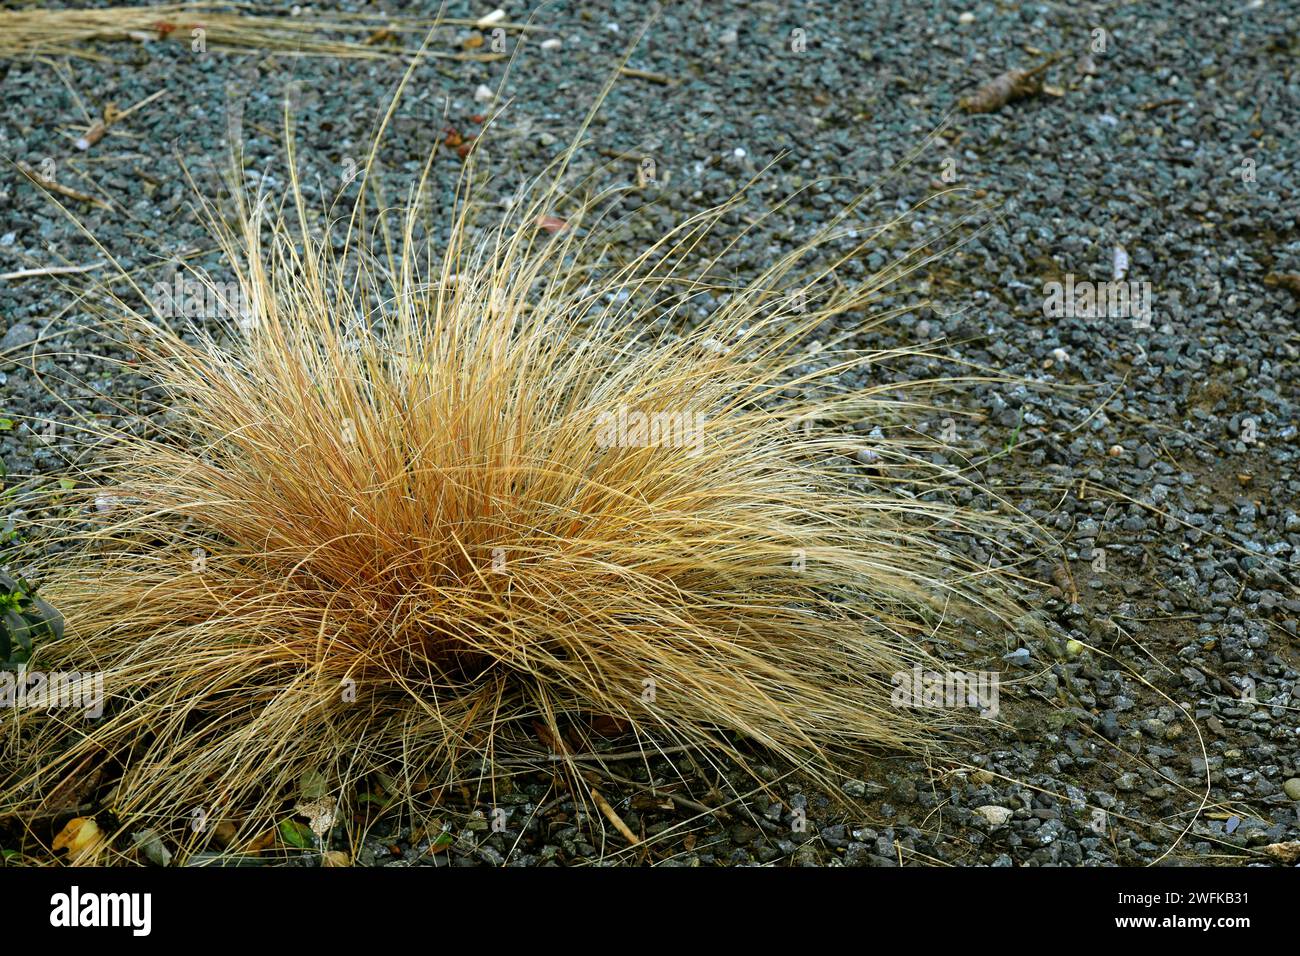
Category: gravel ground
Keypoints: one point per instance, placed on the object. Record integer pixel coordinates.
(1167, 447)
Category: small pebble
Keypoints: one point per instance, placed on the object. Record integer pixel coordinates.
(995, 815)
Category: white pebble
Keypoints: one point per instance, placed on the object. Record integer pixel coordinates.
(484, 94)
(995, 815)
(552, 44)
(1121, 263)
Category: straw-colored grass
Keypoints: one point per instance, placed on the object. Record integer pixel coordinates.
(389, 525)
(229, 27)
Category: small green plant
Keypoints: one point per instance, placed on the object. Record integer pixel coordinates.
(1015, 434)
(24, 618)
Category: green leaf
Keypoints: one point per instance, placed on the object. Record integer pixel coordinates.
(151, 845)
(311, 785)
(67, 484)
(6, 424)
(50, 619)
(296, 834)
(20, 629)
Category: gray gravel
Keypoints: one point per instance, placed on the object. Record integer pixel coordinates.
(1170, 449)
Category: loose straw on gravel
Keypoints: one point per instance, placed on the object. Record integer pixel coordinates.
(225, 28)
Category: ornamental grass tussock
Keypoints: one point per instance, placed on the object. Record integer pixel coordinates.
(452, 484)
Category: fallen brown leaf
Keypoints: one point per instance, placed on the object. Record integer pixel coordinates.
(1287, 853)
(1010, 86)
(547, 738)
(74, 788)
(82, 838)
(266, 840)
(1284, 280)
(610, 726)
(1064, 580)
(224, 833)
(551, 224)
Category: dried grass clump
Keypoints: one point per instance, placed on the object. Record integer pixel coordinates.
(388, 528)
